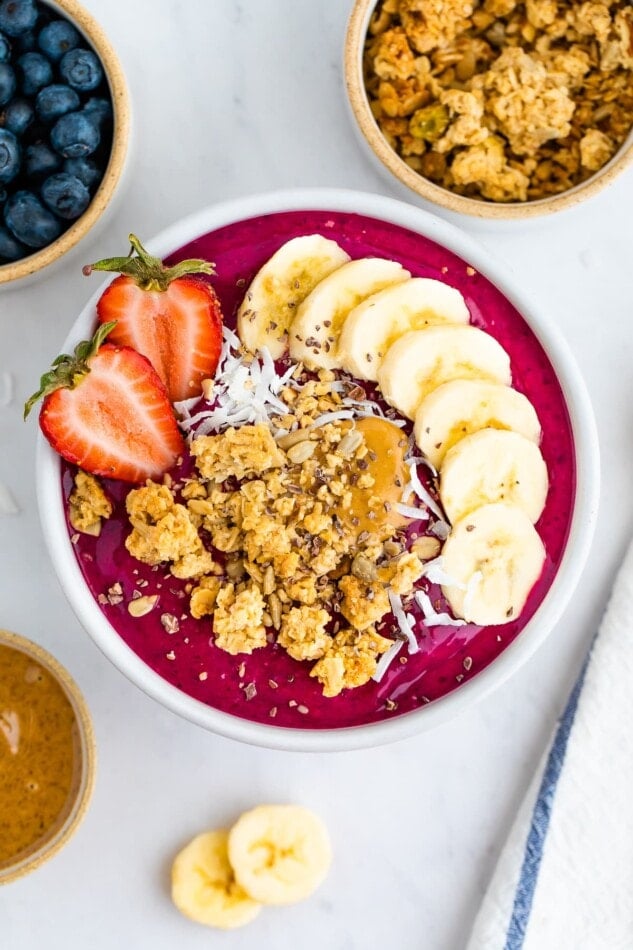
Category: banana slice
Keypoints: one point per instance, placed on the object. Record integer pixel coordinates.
(422, 360)
(315, 331)
(489, 466)
(280, 853)
(376, 323)
(271, 301)
(203, 886)
(494, 556)
(464, 406)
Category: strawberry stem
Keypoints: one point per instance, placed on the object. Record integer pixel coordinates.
(66, 370)
(147, 271)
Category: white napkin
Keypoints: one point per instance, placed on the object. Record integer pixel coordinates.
(564, 880)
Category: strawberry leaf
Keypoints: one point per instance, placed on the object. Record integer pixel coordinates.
(147, 271)
(67, 371)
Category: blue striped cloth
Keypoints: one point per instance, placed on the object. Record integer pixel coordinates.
(564, 880)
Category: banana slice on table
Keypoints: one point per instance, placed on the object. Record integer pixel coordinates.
(203, 885)
(315, 331)
(464, 406)
(280, 853)
(376, 323)
(494, 556)
(271, 301)
(422, 360)
(489, 466)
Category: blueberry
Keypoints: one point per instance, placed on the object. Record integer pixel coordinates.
(8, 83)
(81, 69)
(39, 159)
(9, 156)
(65, 195)
(18, 115)
(5, 49)
(10, 249)
(29, 221)
(55, 101)
(99, 110)
(84, 169)
(36, 72)
(74, 135)
(57, 38)
(17, 16)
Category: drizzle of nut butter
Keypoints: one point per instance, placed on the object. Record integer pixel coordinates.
(386, 447)
(39, 754)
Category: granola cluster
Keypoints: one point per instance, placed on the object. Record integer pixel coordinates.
(502, 100)
(88, 505)
(305, 551)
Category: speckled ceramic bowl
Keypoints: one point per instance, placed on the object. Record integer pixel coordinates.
(85, 764)
(412, 183)
(102, 200)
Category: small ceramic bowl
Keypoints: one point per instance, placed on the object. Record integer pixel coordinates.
(85, 764)
(239, 236)
(102, 200)
(409, 181)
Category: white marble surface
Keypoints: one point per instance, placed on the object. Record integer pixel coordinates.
(232, 99)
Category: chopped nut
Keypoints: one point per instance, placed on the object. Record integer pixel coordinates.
(286, 442)
(142, 605)
(170, 623)
(349, 443)
(301, 452)
(426, 548)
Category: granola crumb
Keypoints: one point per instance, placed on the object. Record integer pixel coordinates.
(250, 691)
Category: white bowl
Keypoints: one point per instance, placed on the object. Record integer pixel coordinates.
(582, 525)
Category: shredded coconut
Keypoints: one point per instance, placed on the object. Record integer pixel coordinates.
(245, 391)
(409, 511)
(418, 488)
(406, 622)
(386, 660)
(431, 616)
(435, 573)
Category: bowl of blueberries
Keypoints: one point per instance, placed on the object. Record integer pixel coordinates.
(64, 131)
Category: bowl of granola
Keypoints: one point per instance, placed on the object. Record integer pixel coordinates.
(497, 109)
(356, 502)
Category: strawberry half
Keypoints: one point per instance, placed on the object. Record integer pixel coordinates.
(106, 410)
(167, 314)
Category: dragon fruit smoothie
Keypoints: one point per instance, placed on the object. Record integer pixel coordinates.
(268, 685)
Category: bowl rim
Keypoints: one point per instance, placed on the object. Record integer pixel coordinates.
(424, 188)
(51, 508)
(42, 258)
(86, 783)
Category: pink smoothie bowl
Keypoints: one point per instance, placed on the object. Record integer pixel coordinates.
(455, 666)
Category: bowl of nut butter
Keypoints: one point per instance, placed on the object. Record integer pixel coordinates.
(47, 756)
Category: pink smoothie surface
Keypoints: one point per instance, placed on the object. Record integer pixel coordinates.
(268, 686)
